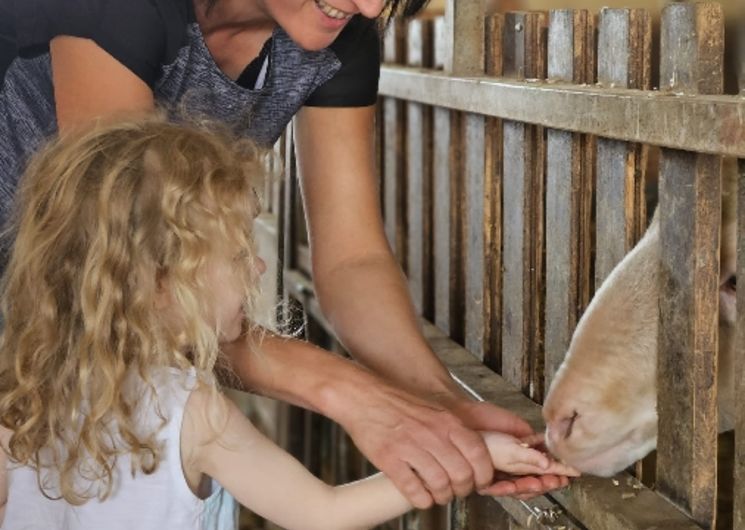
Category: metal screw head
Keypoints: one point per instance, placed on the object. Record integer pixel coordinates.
(519, 26)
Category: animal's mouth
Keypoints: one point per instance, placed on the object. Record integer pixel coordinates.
(610, 458)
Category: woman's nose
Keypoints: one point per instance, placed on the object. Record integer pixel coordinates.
(370, 8)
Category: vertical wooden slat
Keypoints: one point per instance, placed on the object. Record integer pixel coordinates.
(482, 171)
(565, 178)
(394, 169)
(478, 240)
(447, 222)
(522, 238)
(624, 44)
(463, 54)
(493, 160)
(739, 362)
(463, 44)
(458, 50)
(419, 176)
(739, 347)
(446, 219)
(438, 29)
(447, 207)
(690, 211)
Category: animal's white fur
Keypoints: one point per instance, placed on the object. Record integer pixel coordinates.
(608, 378)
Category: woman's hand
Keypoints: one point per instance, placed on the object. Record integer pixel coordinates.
(429, 454)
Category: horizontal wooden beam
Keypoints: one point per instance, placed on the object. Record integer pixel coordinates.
(704, 124)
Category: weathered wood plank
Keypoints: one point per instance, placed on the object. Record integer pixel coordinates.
(447, 205)
(419, 175)
(739, 460)
(565, 178)
(394, 163)
(438, 58)
(624, 44)
(624, 52)
(707, 124)
(522, 238)
(493, 162)
(447, 224)
(482, 166)
(463, 44)
(479, 238)
(690, 208)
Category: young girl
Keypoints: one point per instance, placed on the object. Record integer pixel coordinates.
(133, 260)
(255, 65)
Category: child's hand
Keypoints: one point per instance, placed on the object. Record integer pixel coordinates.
(516, 457)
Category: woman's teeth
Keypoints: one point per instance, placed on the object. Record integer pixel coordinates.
(332, 12)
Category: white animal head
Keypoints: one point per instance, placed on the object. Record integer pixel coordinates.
(600, 411)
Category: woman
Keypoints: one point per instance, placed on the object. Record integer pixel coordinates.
(255, 64)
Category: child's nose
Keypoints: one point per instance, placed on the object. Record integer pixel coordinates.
(260, 265)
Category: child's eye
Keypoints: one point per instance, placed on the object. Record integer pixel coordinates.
(243, 255)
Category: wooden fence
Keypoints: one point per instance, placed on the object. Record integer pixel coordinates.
(513, 153)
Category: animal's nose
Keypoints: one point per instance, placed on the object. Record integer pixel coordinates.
(561, 429)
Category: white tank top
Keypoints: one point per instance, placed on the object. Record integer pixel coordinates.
(159, 501)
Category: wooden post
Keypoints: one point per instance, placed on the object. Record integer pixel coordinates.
(419, 175)
(690, 212)
(624, 44)
(524, 55)
(463, 45)
(569, 34)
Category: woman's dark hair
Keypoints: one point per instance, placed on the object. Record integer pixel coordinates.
(405, 8)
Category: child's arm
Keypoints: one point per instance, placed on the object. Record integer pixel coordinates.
(268, 481)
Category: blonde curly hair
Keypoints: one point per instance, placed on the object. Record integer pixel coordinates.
(106, 215)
